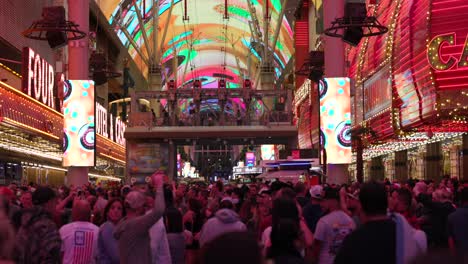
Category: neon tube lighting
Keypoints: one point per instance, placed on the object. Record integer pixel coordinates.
(294, 164)
(90, 174)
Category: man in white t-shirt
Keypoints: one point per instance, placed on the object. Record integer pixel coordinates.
(80, 237)
(332, 228)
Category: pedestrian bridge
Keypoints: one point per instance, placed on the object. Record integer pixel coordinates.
(272, 126)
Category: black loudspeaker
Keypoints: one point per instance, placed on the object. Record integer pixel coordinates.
(355, 10)
(56, 39)
(316, 75)
(55, 15)
(316, 58)
(355, 14)
(97, 64)
(99, 78)
(353, 35)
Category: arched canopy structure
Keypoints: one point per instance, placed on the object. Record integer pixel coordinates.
(207, 45)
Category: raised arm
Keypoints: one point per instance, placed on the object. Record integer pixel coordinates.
(143, 223)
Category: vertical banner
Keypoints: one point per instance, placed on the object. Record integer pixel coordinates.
(79, 145)
(250, 159)
(335, 119)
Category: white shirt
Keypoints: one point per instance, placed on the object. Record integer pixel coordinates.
(159, 244)
(331, 230)
(79, 242)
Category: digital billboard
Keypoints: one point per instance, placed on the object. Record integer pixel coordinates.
(335, 119)
(250, 159)
(143, 159)
(79, 145)
(268, 152)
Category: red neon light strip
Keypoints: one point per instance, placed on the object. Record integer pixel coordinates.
(465, 85)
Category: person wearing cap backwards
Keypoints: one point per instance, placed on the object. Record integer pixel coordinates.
(38, 239)
(312, 211)
(332, 228)
(132, 232)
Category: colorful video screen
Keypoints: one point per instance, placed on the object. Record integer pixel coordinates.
(79, 144)
(250, 159)
(146, 158)
(268, 152)
(335, 119)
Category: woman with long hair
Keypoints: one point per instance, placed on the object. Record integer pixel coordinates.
(107, 245)
(175, 235)
(284, 240)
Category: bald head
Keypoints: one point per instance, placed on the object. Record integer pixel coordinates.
(81, 211)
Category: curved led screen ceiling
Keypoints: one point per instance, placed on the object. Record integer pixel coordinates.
(206, 46)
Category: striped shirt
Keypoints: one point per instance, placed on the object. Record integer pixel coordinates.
(79, 242)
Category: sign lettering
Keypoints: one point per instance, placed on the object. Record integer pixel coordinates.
(115, 130)
(101, 120)
(119, 131)
(38, 78)
(435, 53)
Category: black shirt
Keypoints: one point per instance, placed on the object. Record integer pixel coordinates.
(373, 242)
(312, 214)
(458, 228)
(303, 201)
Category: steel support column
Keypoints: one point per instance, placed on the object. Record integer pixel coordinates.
(78, 69)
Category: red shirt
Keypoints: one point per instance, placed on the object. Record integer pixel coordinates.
(265, 222)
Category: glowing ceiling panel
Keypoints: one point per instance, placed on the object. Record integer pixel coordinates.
(206, 45)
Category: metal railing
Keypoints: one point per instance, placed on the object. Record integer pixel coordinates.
(173, 116)
(146, 119)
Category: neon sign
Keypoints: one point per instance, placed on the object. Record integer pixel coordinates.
(38, 78)
(115, 130)
(435, 53)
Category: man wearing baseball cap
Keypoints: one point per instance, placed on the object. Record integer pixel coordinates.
(38, 239)
(312, 211)
(132, 232)
(332, 228)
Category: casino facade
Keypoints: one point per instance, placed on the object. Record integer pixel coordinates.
(410, 104)
(31, 113)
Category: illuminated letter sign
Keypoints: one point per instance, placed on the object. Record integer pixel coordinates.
(434, 53)
(38, 77)
(119, 131)
(101, 120)
(115, 130)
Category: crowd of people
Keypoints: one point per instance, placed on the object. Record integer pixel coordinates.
(268, 222)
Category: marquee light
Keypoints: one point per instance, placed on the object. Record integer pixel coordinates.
(435, 51)
(32, 152)
(409, 142)
(302, 93)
